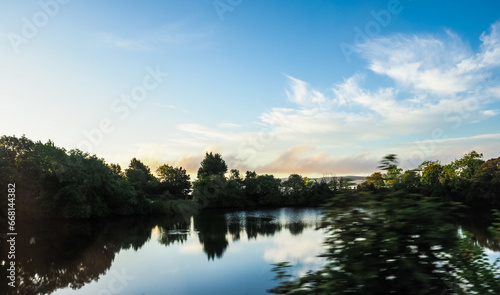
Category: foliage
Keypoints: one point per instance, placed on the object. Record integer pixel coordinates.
(486, 182)
(212, 164)
(268, 190)
(474, 271)
(216, 190)
(174, 180)
(388, 162)
(374, 181)
(395, 243)
(430, 179)
(469, 179)
(74, 184)
(495, 227)
(138, 165)
(410, 181)
(394, 240)
(294, 189)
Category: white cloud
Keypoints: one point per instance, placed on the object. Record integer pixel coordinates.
(300, 93)
(439, 84)
(294, 250)
(438, 65)
(421, 62)
(301, 253)
(490, 113)
(489, 55)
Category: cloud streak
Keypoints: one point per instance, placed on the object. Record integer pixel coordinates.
(176, 34)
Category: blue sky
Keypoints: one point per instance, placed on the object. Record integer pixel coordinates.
(309, 87)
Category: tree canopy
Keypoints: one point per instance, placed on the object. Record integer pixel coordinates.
(73, 184)
(212, 164)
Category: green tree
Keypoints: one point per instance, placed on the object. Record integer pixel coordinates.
(468, 165)
(74, 184)
(139, 175)
(294, 190)
(431, 175)
(459, 176)
(268, 190)
(138, 165)
(427, 163)
(410, 181)
(174, 180)
(390, 164)
(486, 182)
(251, 188)
(319, 193)
(137, 178)
(212, 164)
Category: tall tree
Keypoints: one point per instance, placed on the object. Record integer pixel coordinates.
(136, 164)
(294, 189)
(212, 164)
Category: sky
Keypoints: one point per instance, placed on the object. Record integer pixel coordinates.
(309, 87)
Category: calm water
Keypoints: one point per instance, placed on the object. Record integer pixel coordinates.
(212, 253)
(215, 252)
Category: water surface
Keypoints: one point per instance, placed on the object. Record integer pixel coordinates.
(215, 252)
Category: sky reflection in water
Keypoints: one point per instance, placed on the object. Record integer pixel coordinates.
(216, 253)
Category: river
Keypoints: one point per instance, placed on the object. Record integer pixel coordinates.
(214, 252)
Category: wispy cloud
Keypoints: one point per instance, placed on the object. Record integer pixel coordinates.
(430, 63)
(111, 40)
(305, 160)
(298, 92)
(438, 85)
(229, 125)
(489, 55)
(165, 105)
(181, 33)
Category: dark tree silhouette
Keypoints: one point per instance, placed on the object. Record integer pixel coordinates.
(213, 164)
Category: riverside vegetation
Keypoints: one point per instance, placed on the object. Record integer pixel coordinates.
(393, 233)
(396, 234)
(58, 183)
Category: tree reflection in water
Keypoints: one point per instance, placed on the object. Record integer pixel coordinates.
(173, 230)
(394, 243)
(212, 231)
(56, 255)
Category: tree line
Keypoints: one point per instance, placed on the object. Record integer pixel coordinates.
(469, 180)
(54, 182)
(215, 187)
(396, 233)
